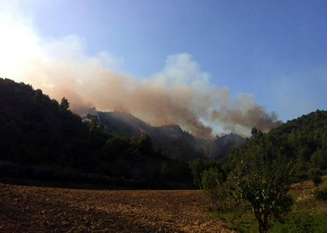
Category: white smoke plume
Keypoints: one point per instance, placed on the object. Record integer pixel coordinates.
(181, 93)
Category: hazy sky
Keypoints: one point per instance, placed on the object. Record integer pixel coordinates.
(273, 50)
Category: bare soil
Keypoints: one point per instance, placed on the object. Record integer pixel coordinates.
(30, 209)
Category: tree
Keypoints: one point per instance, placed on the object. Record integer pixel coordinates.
(263, 179)
(213, 181)
(144, 144)
(197, 166)
(256, 132)
(315, 176)
(64, 104)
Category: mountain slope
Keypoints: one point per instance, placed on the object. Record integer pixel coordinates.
(36, 129)
(302, 141)
(42, 139)
(223, 145)
(170, 140)
(123, 124)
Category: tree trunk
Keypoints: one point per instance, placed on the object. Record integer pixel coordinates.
(263, 222)
(262, 229)
(263, 226)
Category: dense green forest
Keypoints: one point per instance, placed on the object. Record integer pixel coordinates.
(42, 139)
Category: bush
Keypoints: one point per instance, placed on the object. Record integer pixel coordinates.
(197, 168)
(210, 179)
(315, 175)
(210, 183)
(218, 189)
(321, 193)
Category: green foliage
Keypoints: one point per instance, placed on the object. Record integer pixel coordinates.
(302, 141)
(264, 167)
(260, 177)
(198, 166)
(308, 214)
(211, 178)
(263, 178)
(321, 192)
(218, 189)
(302, 223)
(211, 181)
(261, 171)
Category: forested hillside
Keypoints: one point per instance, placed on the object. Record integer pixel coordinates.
(171, 140)
(42, 139)
(36, 129)
(302, 140)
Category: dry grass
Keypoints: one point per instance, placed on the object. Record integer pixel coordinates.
(34, 209)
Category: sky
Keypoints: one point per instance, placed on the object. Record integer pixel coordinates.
(274, 51)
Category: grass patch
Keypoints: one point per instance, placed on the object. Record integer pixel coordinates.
(308, 214)
(242, 221)
(302, 222)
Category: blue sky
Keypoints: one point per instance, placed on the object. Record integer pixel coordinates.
(274, 50)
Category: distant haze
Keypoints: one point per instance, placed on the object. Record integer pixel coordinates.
(179, 93)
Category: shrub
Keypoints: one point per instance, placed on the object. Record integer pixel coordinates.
(219, 189)
(210, 179)
(321, 193)
(197, 168)
(210, 183)
(315, 175)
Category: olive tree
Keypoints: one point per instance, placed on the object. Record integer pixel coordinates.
(263, 176)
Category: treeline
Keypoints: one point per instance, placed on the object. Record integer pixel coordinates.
(42, 139)
(301, 141)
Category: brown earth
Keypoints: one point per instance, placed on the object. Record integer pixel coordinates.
(30, 209)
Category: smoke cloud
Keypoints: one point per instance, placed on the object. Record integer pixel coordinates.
(180, 93)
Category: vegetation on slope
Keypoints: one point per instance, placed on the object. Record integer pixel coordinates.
(42, 139)
(302, 141)
(257, 176)
(171, 140)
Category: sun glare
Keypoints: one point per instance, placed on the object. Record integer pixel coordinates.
(19, 48)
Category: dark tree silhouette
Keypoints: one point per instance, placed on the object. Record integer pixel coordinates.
(45, 140)
(64, 104)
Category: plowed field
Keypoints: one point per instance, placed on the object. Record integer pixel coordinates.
(30, 209)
